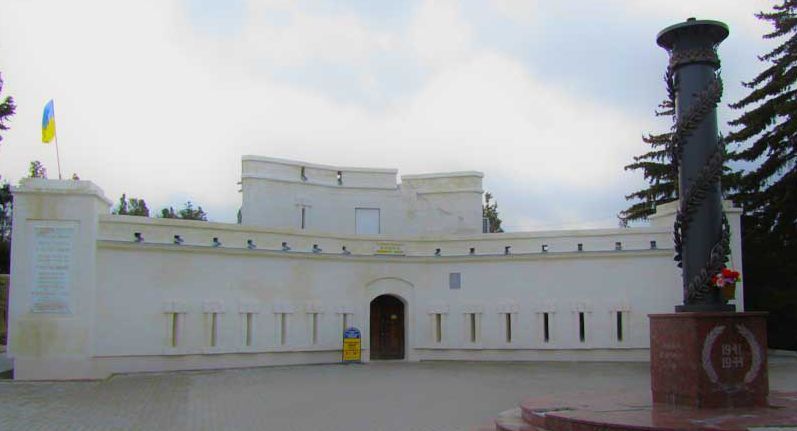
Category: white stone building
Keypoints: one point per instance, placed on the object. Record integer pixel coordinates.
(321, 248)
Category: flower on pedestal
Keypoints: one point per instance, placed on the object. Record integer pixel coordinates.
(726, 281)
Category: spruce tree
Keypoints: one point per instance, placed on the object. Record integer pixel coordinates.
(655, 166)
(767, 132)
(766, 138)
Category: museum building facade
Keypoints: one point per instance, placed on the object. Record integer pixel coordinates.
(319, 249)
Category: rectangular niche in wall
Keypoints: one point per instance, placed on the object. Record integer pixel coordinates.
(472, 323)
(508, 327)
(213, 311)
(282, 328)
(175, 318)
(214, 329)
(366, 221)
(546, 327)
(174, 328)
(437, 327)
(313, 324)
(346, 320)
(248, 325)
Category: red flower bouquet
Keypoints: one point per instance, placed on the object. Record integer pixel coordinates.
(726, 281)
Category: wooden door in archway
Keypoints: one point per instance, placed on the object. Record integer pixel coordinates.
(387, 328)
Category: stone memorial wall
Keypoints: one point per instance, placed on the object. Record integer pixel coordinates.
(96, 294)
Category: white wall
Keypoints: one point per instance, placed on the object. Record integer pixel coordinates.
(127, 291)
(274, 192)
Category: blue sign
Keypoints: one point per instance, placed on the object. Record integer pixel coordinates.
(351, 333)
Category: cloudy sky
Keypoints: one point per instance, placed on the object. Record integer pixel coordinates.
(160, 98)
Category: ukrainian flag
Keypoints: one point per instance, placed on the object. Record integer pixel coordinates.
(48, 123)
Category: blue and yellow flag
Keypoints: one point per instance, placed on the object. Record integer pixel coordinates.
(48, 123)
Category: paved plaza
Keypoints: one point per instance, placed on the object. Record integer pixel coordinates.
(375, 396)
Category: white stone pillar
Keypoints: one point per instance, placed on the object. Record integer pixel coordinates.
(53, 267)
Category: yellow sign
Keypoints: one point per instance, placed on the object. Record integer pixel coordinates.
(352, 348)
(390, 248)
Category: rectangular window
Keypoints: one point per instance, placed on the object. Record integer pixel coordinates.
(582, 335)
(366, 221)
(438, 328)
(619, 326)
(282, 328)
(313, 328)
(174, 326)
(247, 324)
(546, 329)
(454, 280)
(474, 327)
(508, 327)
(303, 223)
(214, 329)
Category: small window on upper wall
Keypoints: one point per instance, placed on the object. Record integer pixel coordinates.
(366, 221)
(454, 280)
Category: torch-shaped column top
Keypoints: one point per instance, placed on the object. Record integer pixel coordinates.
(693, 41)
(711, 31)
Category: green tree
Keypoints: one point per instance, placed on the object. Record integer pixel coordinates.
(7, 109)
(188, 212)
(6, 209)
(168, 213)
(133, 207)
(138, 207)
(767, 132)
(490, 212)
(656, 167)
(6, 206)
(765, 135)
(37, 170)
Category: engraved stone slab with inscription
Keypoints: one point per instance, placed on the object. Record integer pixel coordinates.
(52, 268)
(709, 359)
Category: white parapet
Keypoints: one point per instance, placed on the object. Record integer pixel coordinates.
(94, 294)
(288, 194)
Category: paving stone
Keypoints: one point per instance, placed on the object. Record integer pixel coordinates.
(428, 396)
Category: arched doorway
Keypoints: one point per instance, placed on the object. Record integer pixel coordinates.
(387, 328)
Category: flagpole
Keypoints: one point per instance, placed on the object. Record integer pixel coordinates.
(57, 155)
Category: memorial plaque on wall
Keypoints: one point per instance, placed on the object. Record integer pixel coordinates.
(389, 248)
(52, 268)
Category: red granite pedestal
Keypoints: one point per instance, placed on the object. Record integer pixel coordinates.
(634, 411)
(709, 359)
(708, 372)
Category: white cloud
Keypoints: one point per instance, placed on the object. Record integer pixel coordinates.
(522, 11)
(439, 33)
(147, 105)
(285, 35)
(738, 14)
